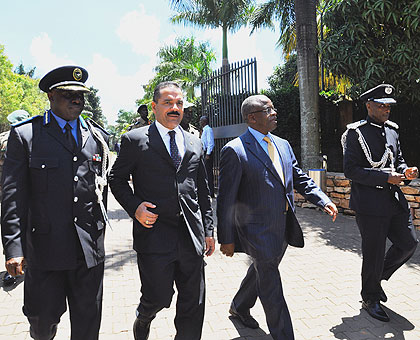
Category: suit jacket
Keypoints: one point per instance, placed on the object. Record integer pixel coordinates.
(371, 193)
(50, 213)
(252, 197)
(177, 193)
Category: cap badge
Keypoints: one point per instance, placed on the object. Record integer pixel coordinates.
(77, 74)
(388, 90)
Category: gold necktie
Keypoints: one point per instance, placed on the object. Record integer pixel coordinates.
(275, 158)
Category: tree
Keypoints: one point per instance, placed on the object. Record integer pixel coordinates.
(307, 62)
(284, 12)
(18, 92)
(21, 70)
(375, 41)
(186, 62)
(93, 108)
(230, 15)
(124, 120)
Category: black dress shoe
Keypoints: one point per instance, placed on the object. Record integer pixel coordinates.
(246, 319)
(8, 280)
(375, 310)
(141, 329)
(383, 296)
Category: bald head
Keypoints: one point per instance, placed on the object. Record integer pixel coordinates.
(252, 104)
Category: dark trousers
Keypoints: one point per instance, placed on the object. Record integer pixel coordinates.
(159, 272)
(263, 280)
(45, 295)
(209, 169)
(377, 265)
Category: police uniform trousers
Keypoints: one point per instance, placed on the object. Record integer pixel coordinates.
(379, 264)
(263, 280)
(46, 294)
(158, 273)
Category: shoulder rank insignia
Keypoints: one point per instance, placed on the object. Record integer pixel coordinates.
(25, 121)
(392, 124)
(356, 125)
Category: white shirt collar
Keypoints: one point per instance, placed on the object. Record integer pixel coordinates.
(164, 130)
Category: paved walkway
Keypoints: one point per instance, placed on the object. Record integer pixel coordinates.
(321, 284)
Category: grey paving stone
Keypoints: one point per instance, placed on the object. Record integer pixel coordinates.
(321, 283)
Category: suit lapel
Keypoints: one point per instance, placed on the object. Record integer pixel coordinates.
(283, 157)
(256, 149)
(156, 143)
(189, 145)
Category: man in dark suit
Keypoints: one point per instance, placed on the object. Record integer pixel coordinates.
(52, 219)
(374, 162)
(172, 216)
(258, 172)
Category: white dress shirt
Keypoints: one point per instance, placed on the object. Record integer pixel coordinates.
(179, 138)
(207, 139)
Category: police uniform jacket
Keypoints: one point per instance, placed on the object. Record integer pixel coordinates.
(371, 194)
(50, 213)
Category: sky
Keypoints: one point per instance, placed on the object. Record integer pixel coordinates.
(117, 42)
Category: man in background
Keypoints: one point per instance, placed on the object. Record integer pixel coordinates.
(186, 120)
(143, 120)
(207, 139)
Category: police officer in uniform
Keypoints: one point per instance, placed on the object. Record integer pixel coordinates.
(373, 161)
(143, 120)
(53, 214)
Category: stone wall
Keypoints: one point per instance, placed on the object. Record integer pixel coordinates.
(338, 189)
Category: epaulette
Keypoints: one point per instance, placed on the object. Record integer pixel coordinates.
(392, 124)
(28, 120)
(95, 124)
(355, 125)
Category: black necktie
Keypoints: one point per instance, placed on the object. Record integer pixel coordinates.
(176, 158)
(69, 137)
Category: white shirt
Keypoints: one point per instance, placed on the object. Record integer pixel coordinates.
(207, 139)
(179, 138)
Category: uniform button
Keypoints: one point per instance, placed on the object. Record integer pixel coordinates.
(76, 199)
(75, 159)
(383, 134)
(76, 178)
(75, 219)
(43, 166)
(33, 230)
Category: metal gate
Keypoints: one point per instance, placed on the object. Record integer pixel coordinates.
(221, 97)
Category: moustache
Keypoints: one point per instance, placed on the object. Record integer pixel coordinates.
(175, 113)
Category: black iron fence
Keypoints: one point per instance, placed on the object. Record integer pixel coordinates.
(221, 97)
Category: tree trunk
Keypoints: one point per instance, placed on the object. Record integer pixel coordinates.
(225, 63)
(307, 63)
